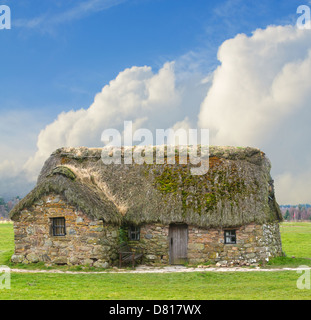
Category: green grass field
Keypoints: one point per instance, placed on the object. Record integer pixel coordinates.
(183, 286)
(296, 244)
(296, 239)
(6, 242)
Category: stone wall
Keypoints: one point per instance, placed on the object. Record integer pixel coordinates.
(91, 242)
(255, 243)
(87, 242)
(154, 242)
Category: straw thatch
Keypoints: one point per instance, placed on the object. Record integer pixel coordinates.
(236, 190)
(85, 196)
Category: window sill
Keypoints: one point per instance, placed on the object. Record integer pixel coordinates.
(60, 238)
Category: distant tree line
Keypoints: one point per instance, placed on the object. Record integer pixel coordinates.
(296, 213)
(6, 207)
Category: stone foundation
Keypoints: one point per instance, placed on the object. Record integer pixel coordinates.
(87, 242)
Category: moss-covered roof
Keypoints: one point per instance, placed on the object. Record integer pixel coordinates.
(236, 190)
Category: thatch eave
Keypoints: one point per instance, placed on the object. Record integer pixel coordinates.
(76, 193)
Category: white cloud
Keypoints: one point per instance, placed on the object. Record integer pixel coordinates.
(136, 94)
(261, 80)
(153, 100)
(260, 96)
(184, 124)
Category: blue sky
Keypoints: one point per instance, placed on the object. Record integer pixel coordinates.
(60, 54)
(64, 60)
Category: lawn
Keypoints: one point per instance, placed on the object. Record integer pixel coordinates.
(6, 242)
(296, 239)
(296, 244)
(183, 286)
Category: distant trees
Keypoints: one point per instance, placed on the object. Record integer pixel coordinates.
(296, 213)
(286, 215)
(2, 202)
(6, 207)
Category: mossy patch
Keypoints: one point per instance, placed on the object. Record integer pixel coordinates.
(200, 193)
(65, 171)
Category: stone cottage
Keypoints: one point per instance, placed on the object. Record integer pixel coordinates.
(81, 209)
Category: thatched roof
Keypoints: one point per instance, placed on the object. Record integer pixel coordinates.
(78, 192)
(236, 190)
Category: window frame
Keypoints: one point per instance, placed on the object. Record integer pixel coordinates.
(231, 236)
(134, 231)
(58, 229)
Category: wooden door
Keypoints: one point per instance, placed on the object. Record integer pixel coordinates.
(178, 235)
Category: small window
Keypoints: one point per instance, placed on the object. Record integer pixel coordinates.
(58, 227)
(134, 233)
(230, 236)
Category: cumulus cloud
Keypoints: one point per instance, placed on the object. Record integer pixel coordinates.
(261, 80)
(260, 96)
(136, 94)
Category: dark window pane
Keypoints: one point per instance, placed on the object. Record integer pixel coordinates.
(230, 236)
(58, 226)
(134, 233)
